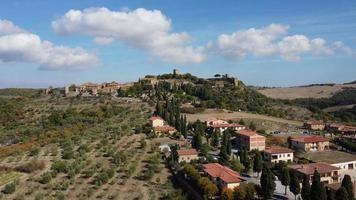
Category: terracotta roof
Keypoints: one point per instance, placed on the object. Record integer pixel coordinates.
(349, 128)
(221, 125)
(164, 128)
(333, 186)
(226, 174)
(310, 139)
(186, 152)
(278, 150)
(155, 118)
(247, 133)
(309, 169)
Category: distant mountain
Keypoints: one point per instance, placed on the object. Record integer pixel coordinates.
(352, 82)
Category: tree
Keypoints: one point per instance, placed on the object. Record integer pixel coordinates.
(252, 126)
(242, 122)
(285, 179)
(341, 194)
(294, 184)
(306, 188)
(208, 187)
(215, 138)
(257, 163)
(268, 184)
(317, 189)
(197, 140)
(227, 194)
(347, 184)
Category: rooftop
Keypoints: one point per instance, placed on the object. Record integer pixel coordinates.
(186, 152)
(309, 169)
(278, 150)
(224, 173)
(155, 118)
(331, 157)
(310, 139)
(315, 122)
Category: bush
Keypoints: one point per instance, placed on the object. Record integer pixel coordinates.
(45, 178)
(9, 188)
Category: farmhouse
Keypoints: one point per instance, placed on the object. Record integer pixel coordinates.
(277, 154)
(314, 125)
(222, 125)
(187, 155)
(310, 143)
(341, 129)
(250, 140)
(328, 174)
(156, 121)
(223, 176)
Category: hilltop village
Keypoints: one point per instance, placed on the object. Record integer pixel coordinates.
(173, 136)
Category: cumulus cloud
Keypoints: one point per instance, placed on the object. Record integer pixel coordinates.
(272, 40)
(17, 45)
(147, 30)
(7, 27)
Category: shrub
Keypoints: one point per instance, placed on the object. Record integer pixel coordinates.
(31, 166)
(9, 188)
(45, 178)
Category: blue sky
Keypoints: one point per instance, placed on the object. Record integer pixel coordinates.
(265, 43)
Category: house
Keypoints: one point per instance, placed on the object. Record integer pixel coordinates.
(223, 176)
(156, 121)
(328, 174)
(341, 129)
(346, 162)
(277, 154)
(310, 143)
(164, 129)
(314, 125)
(224, 125)
(187, 155)
(250, 140)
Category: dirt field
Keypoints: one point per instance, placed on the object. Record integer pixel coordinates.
(304, 92)
(262, 121)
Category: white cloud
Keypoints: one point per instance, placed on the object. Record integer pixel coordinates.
(7, 27)
(103, 40)
(17, 45)
(147, 30)
(272, 40)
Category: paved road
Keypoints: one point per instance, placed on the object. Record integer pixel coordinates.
(279, 187)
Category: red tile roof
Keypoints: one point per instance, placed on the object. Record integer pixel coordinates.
(164, 128)
(226, 174)
(314, 123)
(221, 125)
(309, 169)
(278, 150)
(186, 152)
(247, 133)
(155, 118)
(310, 139)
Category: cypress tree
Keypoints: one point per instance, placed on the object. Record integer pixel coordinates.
(347, 184)
(285, 179)
(306, 188)
(228, 143)
(224, 156)
(257, 163)
(267, 182)
(317, 189)
(294, 184)
(215, 138)
(341, 194)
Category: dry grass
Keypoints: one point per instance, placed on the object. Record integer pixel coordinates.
(304, 92)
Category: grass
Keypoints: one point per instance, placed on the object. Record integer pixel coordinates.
(9, 176)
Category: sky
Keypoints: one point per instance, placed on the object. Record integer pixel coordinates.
(263, 43)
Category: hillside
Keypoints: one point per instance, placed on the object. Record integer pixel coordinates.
(313, 91)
